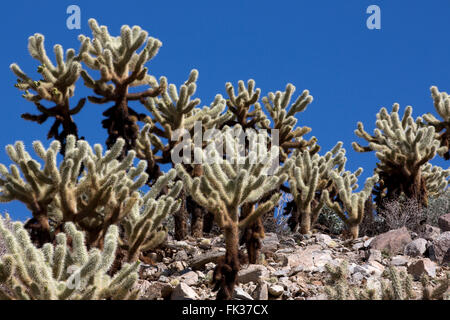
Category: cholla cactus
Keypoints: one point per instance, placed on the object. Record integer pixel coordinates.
(396, 287)
(7, 224)
(309, 176)
(284, 119)
(225, 186)
(438, 292)
(104, 194)
(121, 67)
(249, 114)
(178, 115)
(175, 110)
(57, 86)
(60, 271)
(340, 289)
(348, 204)
(403, 148)
(241, 104)
(142, 225)
(442, 127)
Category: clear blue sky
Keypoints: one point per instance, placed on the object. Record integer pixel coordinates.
(323, 46)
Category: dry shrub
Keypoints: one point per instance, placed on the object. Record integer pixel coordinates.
(403, 212)
(372, 225)
(331, 221)
(437, 207)
(275, 221)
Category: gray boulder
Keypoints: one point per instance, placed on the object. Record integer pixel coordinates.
(422, 266)
(183, 292)
(416, 247)
(441, 248)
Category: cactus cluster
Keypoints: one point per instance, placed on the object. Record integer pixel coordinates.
(60, 271)
(230, 181)
(403, 148)
(91, 189)
(396, 286)
(92, 202)
(442, 127)
(57, 86)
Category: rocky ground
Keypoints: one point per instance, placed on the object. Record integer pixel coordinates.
(293, 267)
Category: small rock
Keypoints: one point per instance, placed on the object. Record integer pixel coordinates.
(285, 250)
(352, 268)
(209, 275)
(184, 292)
(444, 222)
(205, 242)
(371, 268)
(441, 248)
(284, 272)
(200, 260)
(210, 266)
(285, 281)
(374, 255)
(357, 277)
(321, 296)
(326, 239)
(261, 292)
(296, 270)
(270, 243)
(368, 242)
(418, 268)
(179, 265)
(399, 261)
(416, 247)
(276, 290)
(163, 278)
(429, 232)
(323, 238)
(153, 256)
(181, 244)
(393, 241)
(357, 246)
(240, 294)
(254, 273)
(289, 242)
(181, 256)
(190, 278)
(147, 290)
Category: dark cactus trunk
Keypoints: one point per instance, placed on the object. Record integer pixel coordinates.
(208, 222)
(252, 235)
(198, 214)
(196, 211)
(225, 274)
(180, 218)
